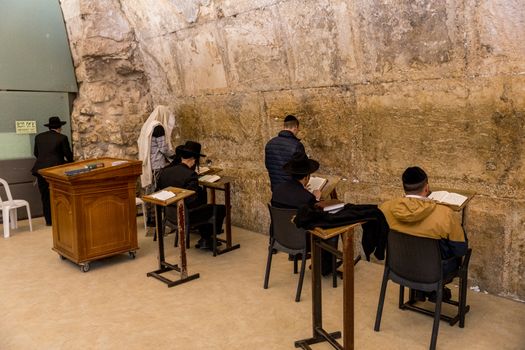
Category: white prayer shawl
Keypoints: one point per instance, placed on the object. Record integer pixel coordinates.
(160, 116)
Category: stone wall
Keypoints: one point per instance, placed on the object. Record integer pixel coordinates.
(377, 85)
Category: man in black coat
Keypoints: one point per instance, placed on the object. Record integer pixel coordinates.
(292, 194)
(280, 149)
(51, 148)
(183, 175)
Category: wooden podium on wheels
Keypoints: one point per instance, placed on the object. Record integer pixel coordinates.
(93, 208)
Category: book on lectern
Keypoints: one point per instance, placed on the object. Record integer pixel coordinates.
(316, 183)
(446, 197)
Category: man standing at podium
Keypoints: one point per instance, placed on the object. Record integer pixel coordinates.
(51, 148)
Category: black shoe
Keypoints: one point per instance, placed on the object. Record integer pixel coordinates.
(48, 224)
(447, 295)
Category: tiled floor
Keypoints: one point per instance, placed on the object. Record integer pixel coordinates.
(47, 303)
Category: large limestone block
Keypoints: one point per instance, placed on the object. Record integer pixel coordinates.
(161, 63)
(250, 196)
(201, 60)
(228, 126)
(495, 229)
(497, 131)
(416, 39)
(255, 50)
(229, 8)
(320, 42)
(327, 124)
(495, 36)
(403, 124)
(154, 20)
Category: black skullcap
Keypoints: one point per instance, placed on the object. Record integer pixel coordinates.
(290, 118)
(414, 175)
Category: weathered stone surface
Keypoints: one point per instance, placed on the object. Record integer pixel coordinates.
(495, 229)
(320, 41)
(201, 61)
(377, 86)
(422, 39)
(228, 126)
(495, 37)
(255, 45)
(229, 8)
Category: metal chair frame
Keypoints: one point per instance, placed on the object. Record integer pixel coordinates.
(415, 262)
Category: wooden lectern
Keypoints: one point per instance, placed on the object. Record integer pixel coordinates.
(93, 210)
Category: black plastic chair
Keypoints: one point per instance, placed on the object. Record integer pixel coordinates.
(415, 262)
(286, 237)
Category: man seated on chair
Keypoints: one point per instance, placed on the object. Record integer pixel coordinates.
(417, 215)
(292, 194)
(183, 175)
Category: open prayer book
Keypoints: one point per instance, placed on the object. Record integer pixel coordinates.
(316, 183)
(163, 195)
(209, 178)
(448, 197)
(203, 170)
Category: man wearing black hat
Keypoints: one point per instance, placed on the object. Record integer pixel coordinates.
(279, 150)
(417, 215)
(292, 194)
(182, 174)
(51, 148)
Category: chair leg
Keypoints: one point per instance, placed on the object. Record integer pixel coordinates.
(301, 277)
(14, 218)
(437, 317)
(462, 299)
(5, 218)
(29, 218)
(381, 300)
(402, 295)
(268, 264)
(295, 264)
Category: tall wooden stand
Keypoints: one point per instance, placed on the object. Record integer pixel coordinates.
(94, 213)
(222, 185)
(164, 266)
(319, 334)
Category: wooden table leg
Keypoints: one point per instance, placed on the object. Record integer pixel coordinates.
(181, 226)
(228, 219)
(348, 290)
(159, 229)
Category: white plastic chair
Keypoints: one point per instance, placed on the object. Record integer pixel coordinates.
(8, 207)
(139, 201)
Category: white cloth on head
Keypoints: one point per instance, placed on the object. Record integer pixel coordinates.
(161, 115)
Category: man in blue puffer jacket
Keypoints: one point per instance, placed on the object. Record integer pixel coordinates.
(279, 151)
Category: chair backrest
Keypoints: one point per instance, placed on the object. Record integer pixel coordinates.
(7, 191)
(284, 230)
(413, 258)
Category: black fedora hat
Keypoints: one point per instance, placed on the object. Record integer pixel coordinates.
(55, 122)
(190, 149)
(300, 164)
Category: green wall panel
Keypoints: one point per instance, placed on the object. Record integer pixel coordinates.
(37, 106)
(34, 49)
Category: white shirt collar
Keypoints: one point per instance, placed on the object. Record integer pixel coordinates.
(416, 196)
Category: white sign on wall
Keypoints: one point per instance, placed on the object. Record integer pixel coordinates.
(25, 126)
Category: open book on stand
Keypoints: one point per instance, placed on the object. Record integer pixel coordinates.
(210, 178)
(316, 183)
(446, 197)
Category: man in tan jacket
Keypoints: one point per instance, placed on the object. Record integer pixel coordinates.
(417, 215)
